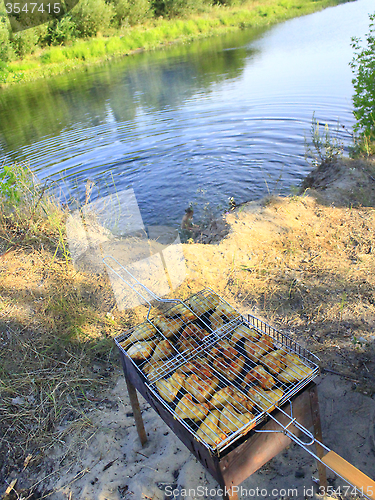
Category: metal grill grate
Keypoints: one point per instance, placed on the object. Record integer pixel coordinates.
(214, 371)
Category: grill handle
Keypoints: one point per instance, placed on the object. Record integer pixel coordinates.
(137, 283)
(364, 484)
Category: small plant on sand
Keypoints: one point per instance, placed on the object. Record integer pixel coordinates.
(324, 147)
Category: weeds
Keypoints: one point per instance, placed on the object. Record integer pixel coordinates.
(53, 324)
(324, 148)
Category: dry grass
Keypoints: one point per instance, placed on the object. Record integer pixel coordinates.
(308, 268)
(56, 329)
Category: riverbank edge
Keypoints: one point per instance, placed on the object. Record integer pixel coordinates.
(58, 60)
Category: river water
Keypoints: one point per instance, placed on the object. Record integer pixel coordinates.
(195, 123)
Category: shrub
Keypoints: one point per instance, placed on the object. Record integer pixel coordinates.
(25, 42)
(6, 50)
(363, 67)
(92, 16)
(173, 8)
(132, 11)
(61, 31)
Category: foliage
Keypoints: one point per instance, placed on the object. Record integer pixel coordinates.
(6, 50)
(363, 67)
(61, 31)
(324, 147)
(174, 8)
(92, 16)
(132, 11)
(25, 42)
(8, 187)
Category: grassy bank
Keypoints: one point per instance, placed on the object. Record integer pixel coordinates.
(155, 34)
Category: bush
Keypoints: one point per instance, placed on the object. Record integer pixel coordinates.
(132, 11)
(61, 31)
(25, 42)
(6, 50)
(363, 67)
(92, 16)
(173, 8)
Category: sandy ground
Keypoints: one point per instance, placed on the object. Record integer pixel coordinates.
(112, 464)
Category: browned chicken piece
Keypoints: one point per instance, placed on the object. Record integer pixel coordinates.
(140, 351)
(191, 338)
(216, 321)
(198, 366)
(162, 350)
(260, 375)
(244, 332)
(226, 310)
(201, 387)
(230, 395)
(227, 360)
(168, 326)
(231, 421)
(266, 400)
(224, 348)
(201, 304)
(187, 408)
(255, 350)
(152, 370)
(295, 370)
(182, 311)
(209, 431)
(141, 332)
(230, 368)
(274, 361)
(168, 388)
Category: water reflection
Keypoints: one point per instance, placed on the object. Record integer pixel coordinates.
(227, 116)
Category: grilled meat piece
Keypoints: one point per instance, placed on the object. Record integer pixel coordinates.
(163, 350)
(227, 360)
(230, 368)
(261, 376)
(230, 395)
(245, 332)
(266, 400)
(209, 431)
(168, 388)
(216, 321)
(201, 304)
(231, 421)
(141, 332)
(191, 338)
(274, 361)
(140, 351)
(296, 370)
(199, 366)
(255, 350)
(187, 408)
(182, 311)
(201, 387)
(226, 310)
(224, 348)
(168, 326)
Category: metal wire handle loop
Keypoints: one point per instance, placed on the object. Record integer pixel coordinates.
(153, 295)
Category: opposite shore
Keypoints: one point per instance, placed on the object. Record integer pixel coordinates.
(154, 34)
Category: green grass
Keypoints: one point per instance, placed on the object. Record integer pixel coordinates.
(155, 34)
